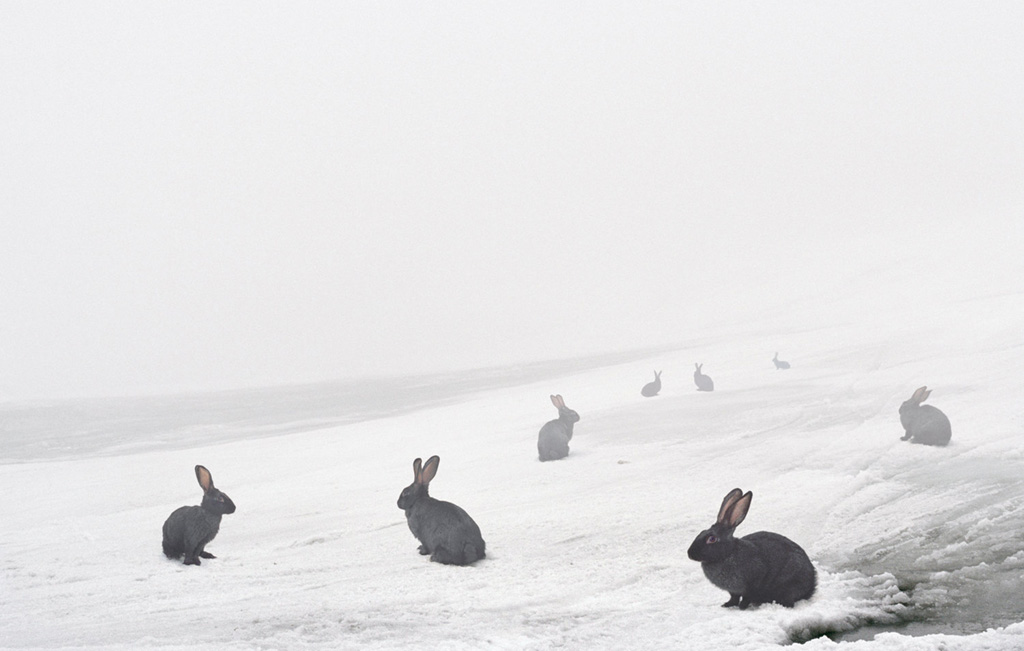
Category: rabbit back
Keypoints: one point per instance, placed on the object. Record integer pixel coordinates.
(926, 424)
(187, 531)
(763, 567)
(446, 532)
(778, 570)
(553, 440)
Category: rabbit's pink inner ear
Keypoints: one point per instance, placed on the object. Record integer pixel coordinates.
(554, 400)
(429, 469)
(416, 469)
(729, 500)
(738, 511)
(205, 479)
(920, 395)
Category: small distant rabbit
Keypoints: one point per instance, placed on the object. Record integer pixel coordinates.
(779, 364)
(651, 389)
(703, 382)
(444, 530)
(924, 423)
(759, 568)
(554, 437)
(189, 529)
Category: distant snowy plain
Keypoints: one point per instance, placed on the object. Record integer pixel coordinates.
(916, 547)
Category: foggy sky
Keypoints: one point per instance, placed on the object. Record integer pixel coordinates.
(203, 196)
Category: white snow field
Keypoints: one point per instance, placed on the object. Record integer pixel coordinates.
(916, 547)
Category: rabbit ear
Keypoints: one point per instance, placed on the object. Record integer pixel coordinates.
(416, 469)
(738, 511)
(727, 503)
(554, 400)
(429, 470)
(920, 395)
(205, 478)
(558, 401)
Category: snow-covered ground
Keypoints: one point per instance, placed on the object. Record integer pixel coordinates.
(916, 547)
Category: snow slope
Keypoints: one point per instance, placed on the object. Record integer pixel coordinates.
(919, 545)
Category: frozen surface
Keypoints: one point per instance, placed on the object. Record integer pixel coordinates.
(916, 547)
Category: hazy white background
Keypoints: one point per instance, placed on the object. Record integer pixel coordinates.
(201, 195)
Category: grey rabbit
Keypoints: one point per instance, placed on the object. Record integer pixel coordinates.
(651, 389)
(759, 568)
(444, 530)
(924, 423)
(779, 364)
(189, 529)
(703, 382)
(553, 439)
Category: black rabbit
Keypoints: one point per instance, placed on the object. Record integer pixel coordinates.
(189, 529)
(703, 382)
(924, 423)
(651, 389)
(553, 439)
(445, 531)
(779, 364)
(759, 568)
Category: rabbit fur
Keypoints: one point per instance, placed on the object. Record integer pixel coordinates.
(924, 423)
(651, 389)
(703, 382)
(445, 531)
(759, 568)
(553, 439)
(189, 529)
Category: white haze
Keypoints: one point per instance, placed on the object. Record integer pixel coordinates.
(219, 195)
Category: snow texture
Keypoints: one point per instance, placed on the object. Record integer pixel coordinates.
(916, 547)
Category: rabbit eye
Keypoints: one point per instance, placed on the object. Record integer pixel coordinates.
(712, 539)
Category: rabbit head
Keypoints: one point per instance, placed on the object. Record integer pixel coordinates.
(564, 413)
(421, 476)
(214, 500)
(915, 400)
(716, 543)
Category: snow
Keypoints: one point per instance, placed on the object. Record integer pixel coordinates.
(916, 547)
